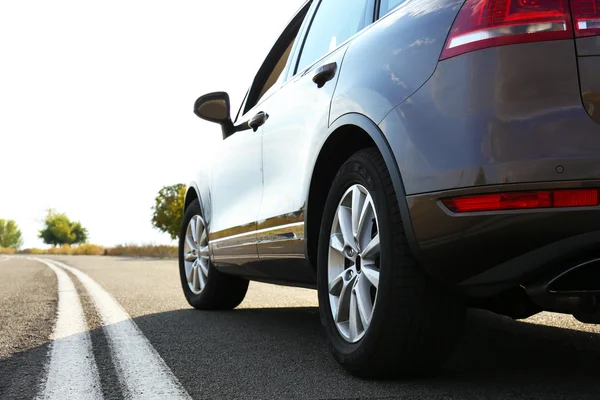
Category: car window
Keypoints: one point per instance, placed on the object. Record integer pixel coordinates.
(334, 22)
(388, 5)
(275, 75)
(271, 72)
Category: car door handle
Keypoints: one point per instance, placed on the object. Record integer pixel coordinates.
(324, 74)
(258, 120)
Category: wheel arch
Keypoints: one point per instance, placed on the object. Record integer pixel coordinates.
(193, 193)
(190, 195)
(363, 133)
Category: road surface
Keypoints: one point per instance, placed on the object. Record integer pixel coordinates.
(119, 328)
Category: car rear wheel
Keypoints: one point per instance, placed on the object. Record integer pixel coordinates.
(204, 287)
(383, 315)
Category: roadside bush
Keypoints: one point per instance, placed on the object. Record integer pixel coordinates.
(7, 251)
(59, 230)
(10, 235)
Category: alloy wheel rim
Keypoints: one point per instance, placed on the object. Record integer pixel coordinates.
(196, 255)
(353, 264)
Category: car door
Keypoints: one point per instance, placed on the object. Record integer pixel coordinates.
(298, 120)
(237, 179)
(236, 192)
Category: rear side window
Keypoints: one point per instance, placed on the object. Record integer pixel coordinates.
(334, 22)
(388, 5)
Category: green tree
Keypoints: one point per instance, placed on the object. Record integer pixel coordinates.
(59, 230)
(168, 209)
(10, 235)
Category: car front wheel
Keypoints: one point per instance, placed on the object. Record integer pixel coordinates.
(383, 315)
(205, 288)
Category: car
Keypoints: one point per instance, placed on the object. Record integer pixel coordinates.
(408, 159)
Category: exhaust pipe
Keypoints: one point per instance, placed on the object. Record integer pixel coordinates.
(573, 291)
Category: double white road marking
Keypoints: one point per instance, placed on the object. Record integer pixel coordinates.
(72, 372)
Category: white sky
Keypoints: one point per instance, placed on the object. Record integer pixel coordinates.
(96, 102)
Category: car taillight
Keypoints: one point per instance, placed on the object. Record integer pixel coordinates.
(524, 200)
(488, 23)
(586, 17)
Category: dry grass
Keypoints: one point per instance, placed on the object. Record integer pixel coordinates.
(31, 251)
(7, 251)
(81, 250)
(143, 251)
(128, 250)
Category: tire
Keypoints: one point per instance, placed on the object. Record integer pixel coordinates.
(220, 291)
(414, 321)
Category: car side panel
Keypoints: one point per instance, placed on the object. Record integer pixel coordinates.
(509, 114)
(393, 58)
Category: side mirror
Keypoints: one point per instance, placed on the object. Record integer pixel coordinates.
(214, 107)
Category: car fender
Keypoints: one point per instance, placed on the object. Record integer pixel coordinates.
(200, 189)
(377, 136)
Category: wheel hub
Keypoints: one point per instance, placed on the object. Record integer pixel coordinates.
(353, 263)
(196, 255)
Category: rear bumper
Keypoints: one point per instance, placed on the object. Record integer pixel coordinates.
(485, 253)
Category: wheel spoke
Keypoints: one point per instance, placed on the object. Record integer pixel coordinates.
(204, 238)
(196, 279)
(336, 284)
(194, 229)
(364, 228)
(372, 274)
(199, 233)
(357, 205)
(190, 257)
(204, 268)
(190, 242)
(337, 242)
(345, 220)
(190, 274)
(371, 251)
(363, 303)
(353, 317)
(201, 278)
(343, 309)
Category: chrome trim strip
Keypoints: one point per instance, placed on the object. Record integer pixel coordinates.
(275, 228)
(484, 34)
(229, 246)
(283, 255)
(235, 257)
(280, 233)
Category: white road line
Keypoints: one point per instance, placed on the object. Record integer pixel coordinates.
(142, 373)
(71, 372)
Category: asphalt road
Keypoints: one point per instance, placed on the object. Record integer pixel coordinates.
(124, 330)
